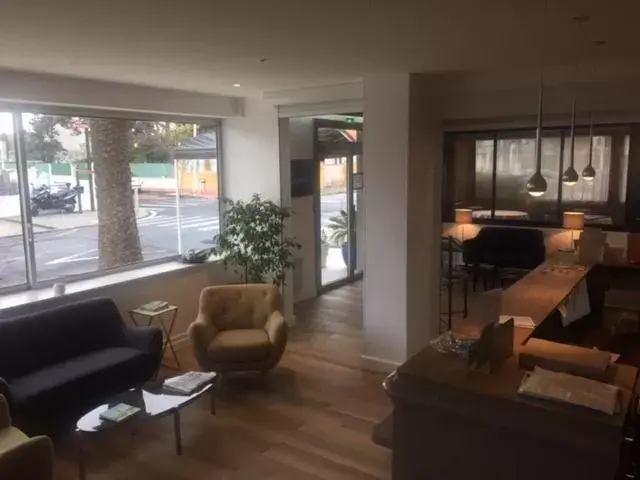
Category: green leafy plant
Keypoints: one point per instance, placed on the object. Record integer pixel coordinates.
(339, 229)
(253, 240)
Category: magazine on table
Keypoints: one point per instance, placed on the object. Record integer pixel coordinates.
(154, 306)
(188, 383)
(119, 412)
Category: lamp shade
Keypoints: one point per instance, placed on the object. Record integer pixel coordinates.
(573, 220)
(463, 216)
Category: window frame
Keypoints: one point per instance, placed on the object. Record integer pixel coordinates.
(614, 130)
(28, 237)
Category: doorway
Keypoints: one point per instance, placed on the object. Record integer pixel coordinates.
(339, 207)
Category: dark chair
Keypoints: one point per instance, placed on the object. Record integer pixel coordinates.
(510, 252)
(58, 363)
(452, 272)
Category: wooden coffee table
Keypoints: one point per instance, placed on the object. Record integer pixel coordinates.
(153, 402)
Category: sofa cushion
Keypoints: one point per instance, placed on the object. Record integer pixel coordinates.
(82, 379)
(48, 337)
(245, 345)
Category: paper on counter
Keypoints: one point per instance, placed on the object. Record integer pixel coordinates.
(518, 321)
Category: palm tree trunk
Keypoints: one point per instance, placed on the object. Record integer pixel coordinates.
(118, 239)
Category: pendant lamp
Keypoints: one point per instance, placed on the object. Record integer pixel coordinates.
(537, 185)
(570, 176)
(589, 173)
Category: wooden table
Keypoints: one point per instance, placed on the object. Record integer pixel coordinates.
(454, 423)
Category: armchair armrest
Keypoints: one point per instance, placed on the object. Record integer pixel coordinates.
(201, 333)
(276, 328)
(6, 405)
(5, 415)
(146, 339)
(30, 459)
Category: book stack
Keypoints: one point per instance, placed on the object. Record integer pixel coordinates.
(188, 383)
(154, 306)
(119, 412)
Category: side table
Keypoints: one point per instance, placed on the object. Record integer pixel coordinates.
(161, 316)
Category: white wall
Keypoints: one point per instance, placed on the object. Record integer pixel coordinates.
(73, 92)
(386, 113)
(403, 155)
(251, 156)
(304, 220)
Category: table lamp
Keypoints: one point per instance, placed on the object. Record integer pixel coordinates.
(464, 217)
(573, 221)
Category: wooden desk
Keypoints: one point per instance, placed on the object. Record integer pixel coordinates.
(453, 423)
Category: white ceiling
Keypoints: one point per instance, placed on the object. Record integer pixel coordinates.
(207, 46)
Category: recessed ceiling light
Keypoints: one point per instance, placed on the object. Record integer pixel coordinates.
(237, 85)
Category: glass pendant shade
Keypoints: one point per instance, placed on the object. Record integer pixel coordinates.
(589, 173)
(570, 176)
(537, 185)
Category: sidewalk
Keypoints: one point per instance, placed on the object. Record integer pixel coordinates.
(11, 226)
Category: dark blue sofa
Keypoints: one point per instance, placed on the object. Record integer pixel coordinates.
(58, 363)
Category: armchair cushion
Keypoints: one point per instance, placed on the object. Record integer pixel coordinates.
(239, 328)
(11, 437)
(245, 345)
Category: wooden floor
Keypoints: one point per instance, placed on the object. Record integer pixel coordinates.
(311, 418)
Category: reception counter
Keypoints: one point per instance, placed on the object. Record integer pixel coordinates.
(455, 422)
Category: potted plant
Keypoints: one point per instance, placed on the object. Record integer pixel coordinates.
(339, 236)
(324, 249)
(253, 242)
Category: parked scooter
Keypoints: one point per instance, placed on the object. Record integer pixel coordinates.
(61, 198)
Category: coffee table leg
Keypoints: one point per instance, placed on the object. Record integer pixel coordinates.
(82, 467)
(176, 431)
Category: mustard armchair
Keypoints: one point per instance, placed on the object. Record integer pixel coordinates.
(20, 456)
(239, 328)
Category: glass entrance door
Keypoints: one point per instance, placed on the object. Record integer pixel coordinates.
(334, 219)
(339, 203)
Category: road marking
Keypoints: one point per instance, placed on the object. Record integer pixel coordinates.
(63, 234)
(76, 257)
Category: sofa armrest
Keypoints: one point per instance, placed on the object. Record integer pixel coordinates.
(201, 334)
(276, 328)
(31, 459)
(146, 339)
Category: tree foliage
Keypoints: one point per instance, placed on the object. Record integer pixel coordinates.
(42, 138)
(339, 229)
(152, 142)
(253, 240)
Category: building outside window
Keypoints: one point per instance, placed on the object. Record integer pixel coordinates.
(488, 173)
(102, 193)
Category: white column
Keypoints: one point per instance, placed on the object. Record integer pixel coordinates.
(251, 147)
(251, 153)
(403, 156)
(284, 139)
(304, 219)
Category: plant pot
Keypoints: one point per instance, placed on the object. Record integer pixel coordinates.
(324, 252)
(345, 253)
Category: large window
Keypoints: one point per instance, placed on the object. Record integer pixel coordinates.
(102, 193)
(488, 173)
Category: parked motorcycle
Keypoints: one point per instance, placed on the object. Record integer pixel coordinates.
(61, 198)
